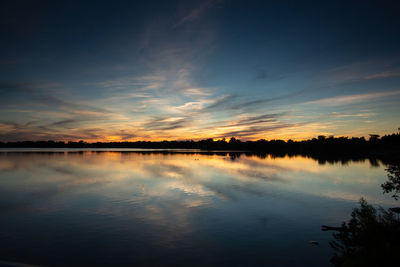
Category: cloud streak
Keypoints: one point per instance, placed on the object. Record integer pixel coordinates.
(352, 99)
(196, 13)
(166, 123)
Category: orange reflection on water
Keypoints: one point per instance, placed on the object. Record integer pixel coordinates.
(194, 173)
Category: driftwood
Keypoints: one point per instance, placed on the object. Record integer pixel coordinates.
(395, 210)
(330, 228)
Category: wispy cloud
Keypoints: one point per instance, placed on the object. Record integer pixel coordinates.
(166, 123)
(198, 92)
(236, 102)
(252, 103)
(64, 122)
(383, 75)
(256, 131)
(196, 12)
(45, 94)
(355, 115)
(148, 82)
(351, 99)
(252, 120)
(221, 102)
(360, 72)
(27, 85)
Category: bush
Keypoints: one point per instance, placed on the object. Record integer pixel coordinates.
(370, 238)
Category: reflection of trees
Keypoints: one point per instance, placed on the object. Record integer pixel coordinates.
(371, 237)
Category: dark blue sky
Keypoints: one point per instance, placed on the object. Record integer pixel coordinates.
(102, 70)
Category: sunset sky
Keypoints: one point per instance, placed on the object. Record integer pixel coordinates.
(177, 70)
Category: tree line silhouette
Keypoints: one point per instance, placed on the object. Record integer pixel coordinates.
(375, 145)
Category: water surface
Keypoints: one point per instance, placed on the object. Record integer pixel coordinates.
(72, 207)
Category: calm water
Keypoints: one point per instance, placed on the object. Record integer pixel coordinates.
(124, 208)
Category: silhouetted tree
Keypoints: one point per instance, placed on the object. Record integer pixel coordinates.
(370, 238)
(373, 137)
(393, 183)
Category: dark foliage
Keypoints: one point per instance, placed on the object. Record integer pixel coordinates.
(370, 238)
(393, 183)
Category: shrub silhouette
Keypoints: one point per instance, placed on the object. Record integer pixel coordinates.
(370, 238)
(393, 183)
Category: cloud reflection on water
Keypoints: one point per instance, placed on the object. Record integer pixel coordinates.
(163, 204)
(194, 175)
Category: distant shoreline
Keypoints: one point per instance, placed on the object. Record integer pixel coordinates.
(388, 144)
(325, 150)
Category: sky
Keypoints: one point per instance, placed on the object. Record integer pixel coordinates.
(180, 70)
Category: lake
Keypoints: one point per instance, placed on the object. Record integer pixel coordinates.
(69, 207)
